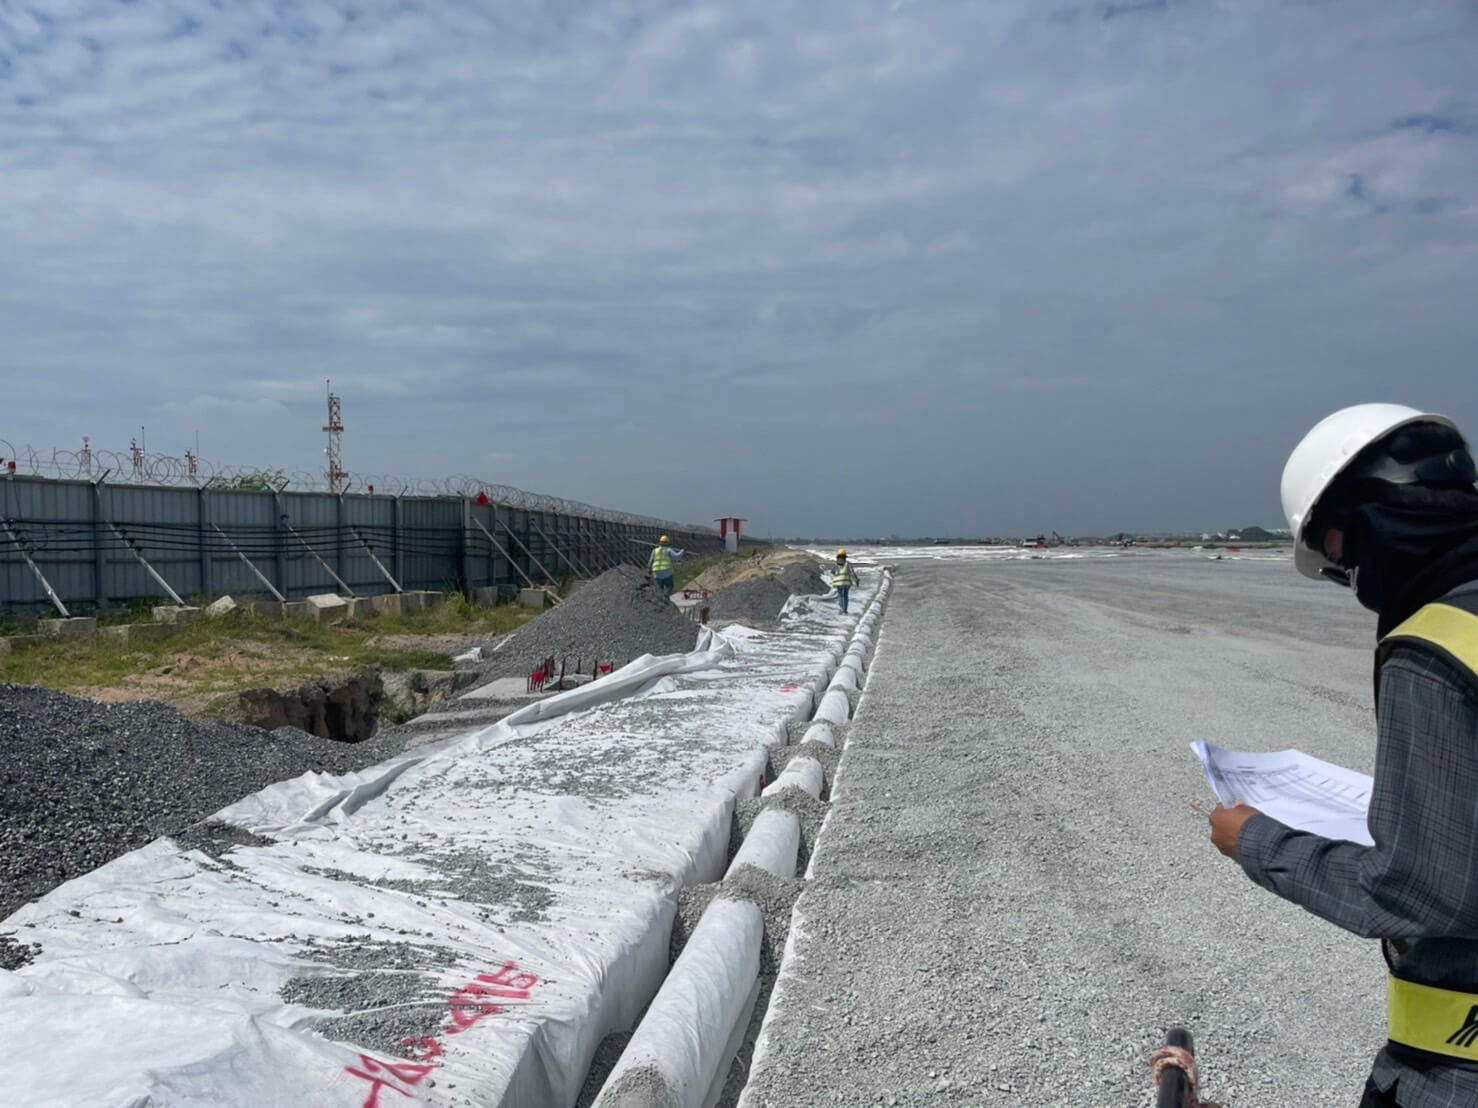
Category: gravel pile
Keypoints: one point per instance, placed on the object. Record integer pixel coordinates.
(82, 783)
(754, 602)
(803, 579)
(615, 618)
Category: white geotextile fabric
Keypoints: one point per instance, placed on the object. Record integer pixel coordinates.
(773, 843)
(686, 1034)
(800, 773)
(161, 975)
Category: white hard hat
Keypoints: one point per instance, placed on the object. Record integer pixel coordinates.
(1324, 454)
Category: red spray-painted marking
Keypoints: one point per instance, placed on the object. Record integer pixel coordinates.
(389, 1075)
(481, 997)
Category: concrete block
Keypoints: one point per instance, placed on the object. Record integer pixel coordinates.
(412, 602)
(430, 601)
(362, 607)
(222, 607)
(168, 613)
(5, 647)
(296, 609)
(25, 642)
(390, 604)
(118, 633)
(533, 598)
(77, 625)
(264, 609)
(328, 608)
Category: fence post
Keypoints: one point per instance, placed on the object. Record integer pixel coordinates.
(202, 519)
(99, 555)
(397, 555)
(339, 536)
(463, 568)
(280, 557)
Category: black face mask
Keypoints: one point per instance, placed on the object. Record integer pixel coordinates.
(1395, 537)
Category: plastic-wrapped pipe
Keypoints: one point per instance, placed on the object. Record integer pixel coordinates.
(820, 732)
(844, 679)
(772, 843)
(853, 665)
(678, 1049)
(834, 707)
(803, 773)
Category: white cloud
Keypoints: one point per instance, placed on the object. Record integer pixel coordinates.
(582, 231)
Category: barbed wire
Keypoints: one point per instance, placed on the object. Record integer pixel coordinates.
(136, 466)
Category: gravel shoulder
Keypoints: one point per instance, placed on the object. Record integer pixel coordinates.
(1011, 901)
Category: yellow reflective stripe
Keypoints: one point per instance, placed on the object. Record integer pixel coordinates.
(1441, 1021)
(1452, 629)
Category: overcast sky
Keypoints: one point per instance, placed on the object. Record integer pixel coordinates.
(840, 266)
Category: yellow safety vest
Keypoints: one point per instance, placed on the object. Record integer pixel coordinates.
(1438, 1021)
(661, 561)
(841, 577)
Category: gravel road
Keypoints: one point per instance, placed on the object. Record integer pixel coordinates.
(1011, 900)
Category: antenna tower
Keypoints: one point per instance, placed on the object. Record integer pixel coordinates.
(334, 428)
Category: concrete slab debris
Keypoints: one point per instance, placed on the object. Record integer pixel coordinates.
(222, 607)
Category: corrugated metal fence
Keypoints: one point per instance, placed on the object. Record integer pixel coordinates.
(97, 545)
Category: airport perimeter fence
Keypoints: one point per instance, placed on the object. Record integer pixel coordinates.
(79, 546)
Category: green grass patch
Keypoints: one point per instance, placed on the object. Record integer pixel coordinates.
(243, 650)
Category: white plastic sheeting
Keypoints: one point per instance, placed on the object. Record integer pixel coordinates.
(772, 844)
(524, 875)
(802, 773)
(680, 1051)
(834, 707)
(845, 679)
(820, 732)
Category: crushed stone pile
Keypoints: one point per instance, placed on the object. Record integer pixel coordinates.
(82, 783)
(615, 618)
(803, 578)
(756, 602)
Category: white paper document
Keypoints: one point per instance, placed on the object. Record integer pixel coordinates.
(1294, 788)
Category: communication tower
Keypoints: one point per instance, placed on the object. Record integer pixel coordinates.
(334, 428)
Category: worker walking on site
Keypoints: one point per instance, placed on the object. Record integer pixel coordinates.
(1381, 498)
(660, 565)
(843, 577)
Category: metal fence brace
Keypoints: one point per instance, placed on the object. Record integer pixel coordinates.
(262, 577)
(45, 584)
(370, 550)
(542, 567)
(326, 567)
(154, 573)
(506, 556)
(560, 553)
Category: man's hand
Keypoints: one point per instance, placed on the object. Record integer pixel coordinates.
(1226, 826)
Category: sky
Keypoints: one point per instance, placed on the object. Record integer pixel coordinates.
(843, 267)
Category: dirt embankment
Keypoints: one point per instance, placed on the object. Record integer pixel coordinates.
(766, 563)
